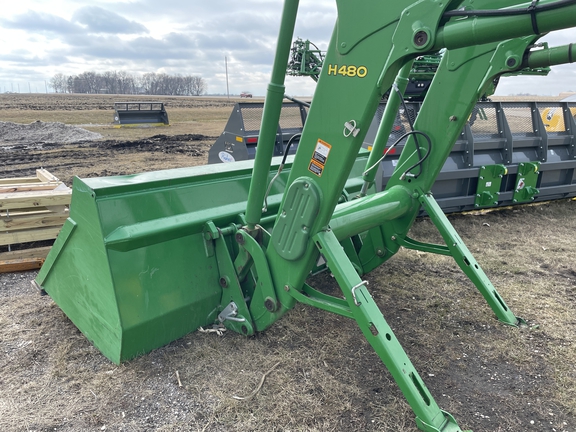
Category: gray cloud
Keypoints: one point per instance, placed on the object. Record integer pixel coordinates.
(174, 46)
(99, 20)
(33, 21)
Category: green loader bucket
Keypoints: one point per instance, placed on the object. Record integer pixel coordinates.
(130, 267)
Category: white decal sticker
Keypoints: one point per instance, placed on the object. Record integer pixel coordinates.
(226, 157)
(321, 152)
(521, 184)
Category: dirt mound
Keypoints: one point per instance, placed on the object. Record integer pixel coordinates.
(184, 143)
(40, 131)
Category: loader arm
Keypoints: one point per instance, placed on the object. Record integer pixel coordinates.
(352, 82)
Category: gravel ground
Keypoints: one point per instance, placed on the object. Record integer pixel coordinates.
(43, 132)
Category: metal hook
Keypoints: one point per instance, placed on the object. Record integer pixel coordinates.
(354, 288)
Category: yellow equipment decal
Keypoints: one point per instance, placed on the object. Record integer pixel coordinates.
(553, 119)
(348, 70)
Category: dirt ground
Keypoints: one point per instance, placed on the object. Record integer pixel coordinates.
(322, 374)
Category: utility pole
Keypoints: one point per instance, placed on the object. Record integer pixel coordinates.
(227, 88)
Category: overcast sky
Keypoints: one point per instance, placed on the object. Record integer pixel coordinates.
(190, 37)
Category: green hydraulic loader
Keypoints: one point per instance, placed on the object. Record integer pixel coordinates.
(146, 258)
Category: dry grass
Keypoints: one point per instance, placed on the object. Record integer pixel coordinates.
(490, 376)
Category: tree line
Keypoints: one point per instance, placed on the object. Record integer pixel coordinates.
(122, 82)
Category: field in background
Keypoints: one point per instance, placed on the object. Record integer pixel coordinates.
(489, 376)
(195, 123)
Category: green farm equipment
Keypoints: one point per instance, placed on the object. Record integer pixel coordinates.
(305, 59)
(138, 114)
(147, 258)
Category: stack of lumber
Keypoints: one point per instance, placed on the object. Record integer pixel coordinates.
(32, 209)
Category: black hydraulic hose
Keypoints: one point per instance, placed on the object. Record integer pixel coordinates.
(411, 123)
(288, 145)
(319, 52)
(530, 10)
(406, 135)
(422, 159)
(280, 168)
(510, 12)
(298, 101)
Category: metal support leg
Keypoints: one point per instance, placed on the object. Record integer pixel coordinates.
(429, 417)
(466, 261)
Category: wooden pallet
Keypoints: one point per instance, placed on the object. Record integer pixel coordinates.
(31, 209)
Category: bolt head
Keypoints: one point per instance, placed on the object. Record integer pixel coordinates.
(239, 238)
(270, 305)
(420, 38)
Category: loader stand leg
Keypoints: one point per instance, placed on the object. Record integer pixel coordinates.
(466, 261)
(429, 417)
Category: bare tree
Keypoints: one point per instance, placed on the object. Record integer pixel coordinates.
(126, 83)
(110, 82)
(121, 82)
(197, 86)
(70, 84)
(87, 82)
(58, 83)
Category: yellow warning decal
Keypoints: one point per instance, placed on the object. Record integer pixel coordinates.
(239, 139)
(319, 157)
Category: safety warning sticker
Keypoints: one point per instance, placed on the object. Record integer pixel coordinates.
(319, 157)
